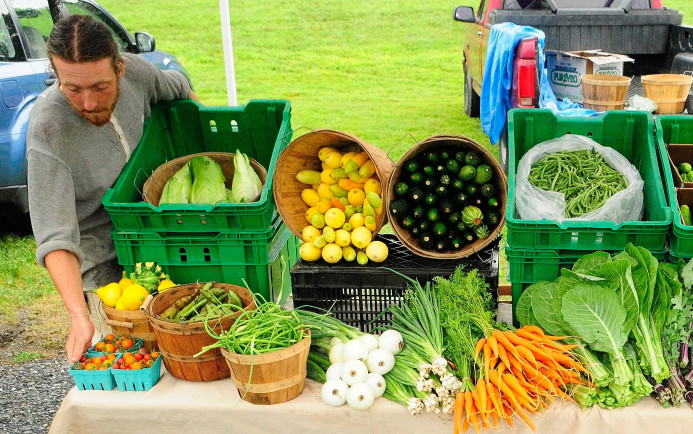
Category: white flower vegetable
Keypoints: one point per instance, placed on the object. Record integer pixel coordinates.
(246, 185)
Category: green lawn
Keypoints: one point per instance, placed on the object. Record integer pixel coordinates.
(389, 72)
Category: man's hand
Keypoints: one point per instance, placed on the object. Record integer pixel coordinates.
(79, 339)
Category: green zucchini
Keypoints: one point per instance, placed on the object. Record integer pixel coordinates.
(412, 166)
(401, 189)
(686, 215)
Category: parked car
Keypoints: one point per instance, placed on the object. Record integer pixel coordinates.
(25, 72)
(644, 30)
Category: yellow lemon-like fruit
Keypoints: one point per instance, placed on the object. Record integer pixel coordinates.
(309, 213)
(119, 304)
(309, 252)
(309, 233)
(348, 253)
(124, 282)
(324, 191)
(109, 294)
(356, 220)
(347, 227)
(345, 159)
(322, 153)
(361, 257)
(319, 242)
(332, 160)
(342, 238)
(318, 220)
(377, 251)
(165, 284)
(369, 222)
(328, 233)
(331, 253)
(334, 218)
(356, 196)
(324, 205)
(133, 296)
(361, 237)
(326, 178)
(310, 196)
(349, 210)
(372, 186)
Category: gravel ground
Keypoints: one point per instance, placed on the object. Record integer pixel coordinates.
(30, 394)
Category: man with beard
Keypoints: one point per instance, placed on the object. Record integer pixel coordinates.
(82, 131)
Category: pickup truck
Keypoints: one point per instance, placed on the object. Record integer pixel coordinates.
(25, 72)
(641, 29)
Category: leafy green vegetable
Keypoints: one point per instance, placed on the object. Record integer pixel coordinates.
(178, 187)
(619, 277)
(208, 181)
(523, 309)
(591, 263)
(246, 185)
(597, 315)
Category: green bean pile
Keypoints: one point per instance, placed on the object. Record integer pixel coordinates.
(584, 177)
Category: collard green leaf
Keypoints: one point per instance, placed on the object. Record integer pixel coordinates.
(623, 255)
(542, 308)
(619, 278)
(596, 314)
(589, 264)
(523, 309)
(687, 274)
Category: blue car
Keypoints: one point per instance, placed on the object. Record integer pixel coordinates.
(25, 72)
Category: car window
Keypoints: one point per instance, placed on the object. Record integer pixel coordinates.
(7, 51)
(36, 22)
(77, 7)
(570, 4)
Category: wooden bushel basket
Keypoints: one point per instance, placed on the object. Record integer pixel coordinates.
(178, 343)
(276, 377)
(302, 154)
(603, 92)
(131, 323)
(450, 142)
(669, 91)
(154, 185)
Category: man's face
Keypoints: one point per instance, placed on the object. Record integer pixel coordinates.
(92, 88)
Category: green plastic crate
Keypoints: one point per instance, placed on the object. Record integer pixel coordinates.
(260, 129)
(528, 266)
(628, 132)
(675, 129)
(262, 260)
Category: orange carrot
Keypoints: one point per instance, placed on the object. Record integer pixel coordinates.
(471, 412)
(533, 329)
(495, 397)
(483, 398)
(504, 340)
(487, 358)
(494, 344)
(514, 363)
(336, 203)
(507, 413)
(465, 425)
(477, 405)
(458, 412)
(468, 405)
(479, 346)
(516, 387)
(503, 355)
(507, 393)
(527, 354)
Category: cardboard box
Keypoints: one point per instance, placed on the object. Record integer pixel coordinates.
(566, 68)
(680, 153)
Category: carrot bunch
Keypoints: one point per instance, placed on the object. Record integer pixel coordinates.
(519, 373)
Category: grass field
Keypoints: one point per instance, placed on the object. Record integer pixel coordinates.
(389, 72)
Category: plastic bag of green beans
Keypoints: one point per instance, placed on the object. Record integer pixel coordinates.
(575, 178)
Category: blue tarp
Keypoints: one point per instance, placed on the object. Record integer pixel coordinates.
(498, 74)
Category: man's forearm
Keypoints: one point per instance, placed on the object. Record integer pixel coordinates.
(64, 270)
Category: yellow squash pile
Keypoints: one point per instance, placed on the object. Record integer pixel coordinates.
(126, 295)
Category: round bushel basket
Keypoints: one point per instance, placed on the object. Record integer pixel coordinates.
(179, 342)
(446, 198)
(270, 378)
(134, 323)
(668, 91)
(154, 185)
(603, 92)
(302, 154)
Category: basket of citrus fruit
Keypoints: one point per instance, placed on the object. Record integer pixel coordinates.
(137, 371)
(327, 187)
(94, 373)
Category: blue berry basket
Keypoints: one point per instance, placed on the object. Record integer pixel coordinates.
(93, 380)
(91, 352)
(139, 380)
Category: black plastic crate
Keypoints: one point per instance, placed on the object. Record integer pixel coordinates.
(357, 294)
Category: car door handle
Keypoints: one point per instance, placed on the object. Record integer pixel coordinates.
(50, 80)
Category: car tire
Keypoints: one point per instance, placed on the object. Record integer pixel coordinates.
(472, 102)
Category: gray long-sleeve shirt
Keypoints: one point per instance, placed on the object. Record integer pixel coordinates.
(71, 163)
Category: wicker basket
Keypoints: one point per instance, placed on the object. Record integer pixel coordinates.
(669, 91)
(154, 186)
(450, 142)
(270, 378)
(603, 92)
(131, 323)
(302, 154)
(178, 343)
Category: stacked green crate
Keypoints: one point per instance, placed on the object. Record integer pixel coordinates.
(538, 249)
(229, 242)
(675, 129)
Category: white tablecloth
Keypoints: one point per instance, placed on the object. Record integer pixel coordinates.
(175, 406)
